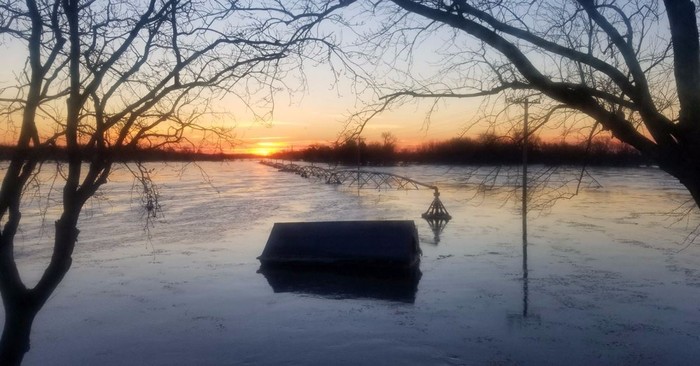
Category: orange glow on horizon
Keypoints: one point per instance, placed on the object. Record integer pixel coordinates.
(268, 148)
(264, 148)
(261, 151)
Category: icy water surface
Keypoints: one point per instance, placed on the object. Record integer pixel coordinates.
(608, 280)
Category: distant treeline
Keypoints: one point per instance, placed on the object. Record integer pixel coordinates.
(123, 154)
(485, 150)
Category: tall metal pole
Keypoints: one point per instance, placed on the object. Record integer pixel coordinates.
(359, 159)
(524, 208)
(525, 141)
(526, 135)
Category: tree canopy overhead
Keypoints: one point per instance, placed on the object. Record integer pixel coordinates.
(632, 66)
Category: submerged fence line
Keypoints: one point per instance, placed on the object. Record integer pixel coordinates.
(366, 178)
(361, 178)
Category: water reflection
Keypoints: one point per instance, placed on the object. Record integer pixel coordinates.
(525, 271)
(437, 226)
(334, 283)
(525, 316)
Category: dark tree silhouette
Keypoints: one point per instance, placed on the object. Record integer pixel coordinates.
(632, 66)
(107, 75)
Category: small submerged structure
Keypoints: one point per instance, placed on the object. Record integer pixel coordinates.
(381, 245)
(344, 259)
(437, 216)
(436, 210)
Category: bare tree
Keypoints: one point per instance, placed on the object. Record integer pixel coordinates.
(631, 66)
(107, 75)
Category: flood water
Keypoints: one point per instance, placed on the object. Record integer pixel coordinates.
(611, 277)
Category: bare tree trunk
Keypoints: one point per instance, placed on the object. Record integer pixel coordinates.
(22, 305)
(691, 181)
(19, 316)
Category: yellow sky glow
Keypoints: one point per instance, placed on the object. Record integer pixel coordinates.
(318, 114)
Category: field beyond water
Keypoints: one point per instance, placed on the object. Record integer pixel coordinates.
(611, 278)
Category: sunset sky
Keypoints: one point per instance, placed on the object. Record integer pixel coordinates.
(315, 114)
(319, 116)
(320, 112)
(316, 110)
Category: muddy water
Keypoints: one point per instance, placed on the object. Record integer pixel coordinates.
(610, 277)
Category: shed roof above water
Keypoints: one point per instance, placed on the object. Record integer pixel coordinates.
(372, 243)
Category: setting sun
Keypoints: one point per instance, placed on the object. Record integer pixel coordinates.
(265, 148)
(262, 151)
